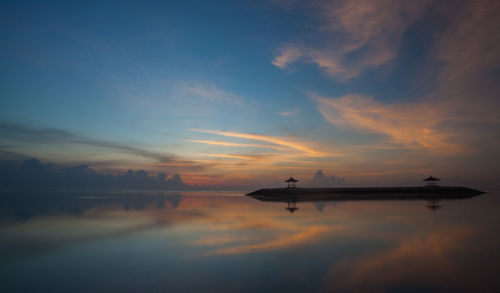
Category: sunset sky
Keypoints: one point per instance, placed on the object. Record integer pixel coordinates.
(250, 92)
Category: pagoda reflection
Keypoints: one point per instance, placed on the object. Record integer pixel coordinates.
(291, 206)
(433, 204)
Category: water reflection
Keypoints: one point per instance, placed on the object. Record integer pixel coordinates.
(180, 242)
(319, 205)
(291, 203)
(25, 205)
(433, 204)
(291, 206)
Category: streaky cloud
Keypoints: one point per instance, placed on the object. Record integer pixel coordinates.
(285, 142)
(24, 133)
(233, 144)
(289, 113)
(208, 92)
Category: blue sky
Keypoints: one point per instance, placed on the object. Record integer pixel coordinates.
(251, 91)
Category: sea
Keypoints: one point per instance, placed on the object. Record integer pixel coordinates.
(131, 241)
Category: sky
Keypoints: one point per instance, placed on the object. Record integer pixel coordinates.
(379, 92)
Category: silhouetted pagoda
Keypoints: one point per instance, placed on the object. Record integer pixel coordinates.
(431, 181)
(291, 182)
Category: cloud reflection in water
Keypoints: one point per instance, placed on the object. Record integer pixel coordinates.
(166, 239)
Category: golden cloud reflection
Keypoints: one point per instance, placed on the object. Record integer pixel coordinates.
(245, 231)
(309, 234)
(347, 246)
(425, 256)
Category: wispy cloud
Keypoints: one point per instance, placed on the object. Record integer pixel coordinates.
(468, 50)
(287, 54)
(461, 108)
(233, 144)
(208, 92)
(280, 141)
(156, 97)
(288, 113)
(242, 157)
(357, 35)
(409, 124)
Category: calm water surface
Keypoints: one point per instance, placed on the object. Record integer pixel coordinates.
(226, 242)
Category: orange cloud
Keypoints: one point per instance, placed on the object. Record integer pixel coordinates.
(411, 124)
(232, 144)
(288, 143)
(217, 240)
(243, 157)
(288, 54)
(372, 29)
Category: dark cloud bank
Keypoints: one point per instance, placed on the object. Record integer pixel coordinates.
(33, 174)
